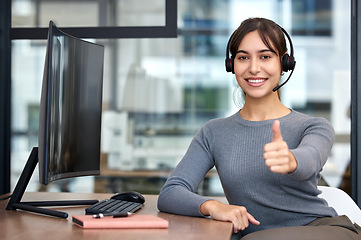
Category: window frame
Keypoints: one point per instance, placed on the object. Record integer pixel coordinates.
(167, 31)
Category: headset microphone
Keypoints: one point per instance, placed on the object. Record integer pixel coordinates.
(279, 86)
(288, 61)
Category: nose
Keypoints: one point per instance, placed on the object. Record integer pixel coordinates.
(254, 66)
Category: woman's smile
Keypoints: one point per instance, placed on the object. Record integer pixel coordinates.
(256, 82)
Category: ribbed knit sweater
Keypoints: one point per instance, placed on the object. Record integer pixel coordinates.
(235, 147)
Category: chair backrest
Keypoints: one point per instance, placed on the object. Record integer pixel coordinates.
(341, 202)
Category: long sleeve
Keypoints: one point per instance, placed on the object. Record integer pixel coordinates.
(179, 193)
(313, 151)
(234, 146)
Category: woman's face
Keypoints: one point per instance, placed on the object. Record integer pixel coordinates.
(257, 68)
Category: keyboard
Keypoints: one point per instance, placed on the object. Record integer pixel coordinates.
(113, 206)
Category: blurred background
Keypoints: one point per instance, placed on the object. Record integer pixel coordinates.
(159, 91)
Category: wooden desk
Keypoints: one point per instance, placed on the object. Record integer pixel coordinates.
(21, 225)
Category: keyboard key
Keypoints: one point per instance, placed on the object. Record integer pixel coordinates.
(113, 206)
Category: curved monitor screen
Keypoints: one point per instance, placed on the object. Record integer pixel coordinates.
(70, 108)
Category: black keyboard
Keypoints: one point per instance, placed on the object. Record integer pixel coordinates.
(113, 206)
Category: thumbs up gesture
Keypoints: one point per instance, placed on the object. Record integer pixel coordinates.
(276, 153)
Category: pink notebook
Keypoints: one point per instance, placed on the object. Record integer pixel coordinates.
(133, 221)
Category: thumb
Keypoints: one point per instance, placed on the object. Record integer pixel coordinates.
(276, 130)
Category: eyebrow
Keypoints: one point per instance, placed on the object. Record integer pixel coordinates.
(260, 51)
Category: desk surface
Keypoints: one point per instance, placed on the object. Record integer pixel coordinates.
(25, 225)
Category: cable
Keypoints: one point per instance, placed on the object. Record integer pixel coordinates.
(4, 198)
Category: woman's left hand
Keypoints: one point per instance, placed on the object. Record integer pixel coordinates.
(276, 153)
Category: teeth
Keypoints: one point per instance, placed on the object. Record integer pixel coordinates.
(255, 80)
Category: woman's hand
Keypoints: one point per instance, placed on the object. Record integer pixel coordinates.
(223, 212)
(276, 153)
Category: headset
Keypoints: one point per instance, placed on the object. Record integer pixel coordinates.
(288, 61)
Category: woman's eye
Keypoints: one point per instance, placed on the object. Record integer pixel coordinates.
(265, 57)
(243, 58)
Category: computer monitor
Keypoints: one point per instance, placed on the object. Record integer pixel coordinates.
(69, 120)
(70, 108)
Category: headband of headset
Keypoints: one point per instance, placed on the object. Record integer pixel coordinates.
(288, 61)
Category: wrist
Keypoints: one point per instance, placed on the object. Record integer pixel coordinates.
(293, 162)
(206, 207)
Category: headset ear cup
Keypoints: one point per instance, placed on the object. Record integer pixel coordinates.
(285, 60)
(229, 65)
(288, 63)
(291, 63)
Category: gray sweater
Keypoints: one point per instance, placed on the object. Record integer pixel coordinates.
(235, 147)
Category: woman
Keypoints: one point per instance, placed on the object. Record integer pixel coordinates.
(268, 156)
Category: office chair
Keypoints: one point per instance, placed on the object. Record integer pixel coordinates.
(341, 202)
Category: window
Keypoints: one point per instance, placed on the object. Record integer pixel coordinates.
(312, 18)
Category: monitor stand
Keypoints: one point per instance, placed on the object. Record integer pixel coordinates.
(15, 200)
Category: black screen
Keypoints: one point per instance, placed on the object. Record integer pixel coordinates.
(70, 108)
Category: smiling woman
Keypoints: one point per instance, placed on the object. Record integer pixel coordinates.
(255, 66)
(257, 49)
(272, 45)
(268, 157)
